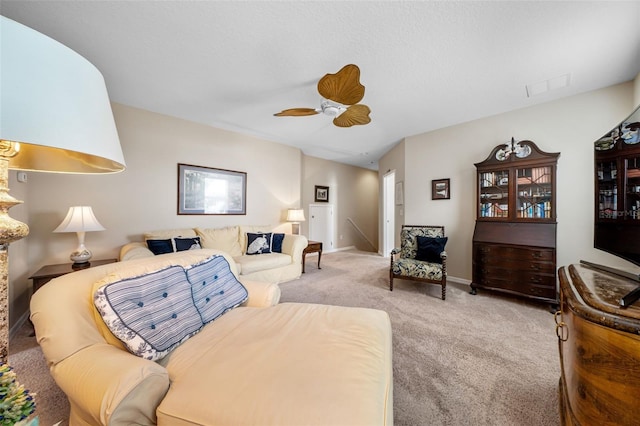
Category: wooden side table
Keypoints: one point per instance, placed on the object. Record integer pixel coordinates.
(49, 272)
(312, 247)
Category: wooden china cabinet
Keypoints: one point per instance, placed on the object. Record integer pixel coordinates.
(514, 242)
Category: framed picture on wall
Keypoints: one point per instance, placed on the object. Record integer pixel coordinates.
(322, 194)
(440, 189)
(204, 190)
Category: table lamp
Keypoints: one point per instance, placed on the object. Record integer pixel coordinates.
(80, 219)
(55, 116)
(295, 216)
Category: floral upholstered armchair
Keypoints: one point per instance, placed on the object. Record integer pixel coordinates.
(421, 256)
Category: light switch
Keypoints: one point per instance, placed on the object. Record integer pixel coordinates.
(22, 177)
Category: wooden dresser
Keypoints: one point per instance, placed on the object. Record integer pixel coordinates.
(599, 346)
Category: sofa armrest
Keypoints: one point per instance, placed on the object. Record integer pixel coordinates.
(261, 294)
(135, 250)
(294, 245)
(106, 385)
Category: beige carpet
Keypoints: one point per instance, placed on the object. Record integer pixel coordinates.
(469, 360)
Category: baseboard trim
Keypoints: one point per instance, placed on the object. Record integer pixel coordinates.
(458, 280)
(334, 250)
(13, 330)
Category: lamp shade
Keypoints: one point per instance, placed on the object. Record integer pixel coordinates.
(54, 103)
(295, 215)
(79, 219)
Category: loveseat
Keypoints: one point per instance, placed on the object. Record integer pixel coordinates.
(280, 263)
(260, 363)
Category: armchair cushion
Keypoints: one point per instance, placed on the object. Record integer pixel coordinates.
(409, 242)
(417, 269)
(429, 248)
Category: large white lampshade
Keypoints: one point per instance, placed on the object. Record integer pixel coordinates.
(55, 116)
(80, 219)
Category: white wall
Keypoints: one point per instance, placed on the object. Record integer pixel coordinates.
(354, 193)
(569, 126)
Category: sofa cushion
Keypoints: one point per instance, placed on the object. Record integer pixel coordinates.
(276, 242)
(256, 229)
(152, 313)
(226, 239)
(250, 264)
(291, 364)
(169, 233)
(258, 243)
(429, 248)
(160, 246)
(191, 243)
(214, 288)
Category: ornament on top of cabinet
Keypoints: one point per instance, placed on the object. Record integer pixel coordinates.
(513, 147)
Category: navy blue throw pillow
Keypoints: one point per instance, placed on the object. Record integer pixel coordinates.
(429, 249)
(192, 243)
(160, 246)
(258, 243)
(276, 243)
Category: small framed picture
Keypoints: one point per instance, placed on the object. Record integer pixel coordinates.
(322, 194)
(440, 189)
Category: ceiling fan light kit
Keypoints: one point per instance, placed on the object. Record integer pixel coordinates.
(341, 92)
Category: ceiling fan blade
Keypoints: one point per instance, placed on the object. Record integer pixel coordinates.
(296, 112)
(354, 115)
(343, 87)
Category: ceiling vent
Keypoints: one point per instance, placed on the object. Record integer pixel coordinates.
(548, 85)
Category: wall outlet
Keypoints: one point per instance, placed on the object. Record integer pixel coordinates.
(340, 236)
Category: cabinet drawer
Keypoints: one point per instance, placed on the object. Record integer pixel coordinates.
(547, 291)
(547, 278)
(515, 253)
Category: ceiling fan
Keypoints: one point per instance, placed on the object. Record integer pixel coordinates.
(341, 92)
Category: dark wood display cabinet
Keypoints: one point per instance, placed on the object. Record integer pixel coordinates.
(514, 242)
(617, 192)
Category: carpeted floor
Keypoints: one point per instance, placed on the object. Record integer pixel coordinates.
(468, 360)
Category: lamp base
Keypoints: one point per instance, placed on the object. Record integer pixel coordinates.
(80, 256)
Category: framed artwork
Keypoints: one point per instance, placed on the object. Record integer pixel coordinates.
(440, 189)
(322, 194)
(399, 194)
(204, 190)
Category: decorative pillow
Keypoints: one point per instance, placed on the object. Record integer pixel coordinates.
(258, 243)
(183, 244)
(214, 287)
(429, 248)
(276, 243)
(160, 246)
(152, 313)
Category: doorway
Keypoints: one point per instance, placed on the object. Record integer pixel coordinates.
(321, 225)
(388, 212)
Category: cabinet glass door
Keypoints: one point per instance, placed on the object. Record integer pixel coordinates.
(534, 192)
(633, 188)
(607, 189)
(494, 194)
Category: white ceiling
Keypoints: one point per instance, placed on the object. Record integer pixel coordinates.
(425, 65)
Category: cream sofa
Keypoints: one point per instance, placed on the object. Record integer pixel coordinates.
(271, 267)
(261, 363)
